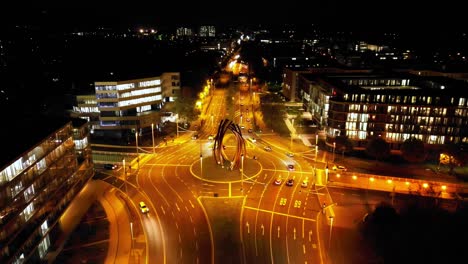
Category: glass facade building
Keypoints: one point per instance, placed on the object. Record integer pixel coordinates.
(36, 187)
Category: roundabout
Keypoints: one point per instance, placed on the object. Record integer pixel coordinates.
(209, 171)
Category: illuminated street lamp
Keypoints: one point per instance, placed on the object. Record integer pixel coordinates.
(152, 135)
(326, 173)
(316, 152)
(177, 125)
(334, 146)
(242, 172)
(292, 133)
(136, 144)
(201, 165)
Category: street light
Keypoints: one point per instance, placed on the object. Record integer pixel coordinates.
(326, 173)
(334, 146)
(177, 125)
(201, 165)
(136, 144)
(292, 133)
(152, 135)
(242, 172)
(316, 152)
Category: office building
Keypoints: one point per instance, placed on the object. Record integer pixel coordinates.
(119, 108)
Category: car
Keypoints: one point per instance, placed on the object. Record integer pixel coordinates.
(290, 182)
(248, 119)
(250, 130)
(305, 183)
(211, 137)
(143, 208)
(195, 136)
(267, 148)
(340, 168)
(278, 181)
(110, 166)
(289, 154)
(290, 167)
(253, 140)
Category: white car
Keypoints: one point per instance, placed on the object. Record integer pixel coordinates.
(305, 183)
(289, 154)
(267, 148)
(339, 168)
(278, 181)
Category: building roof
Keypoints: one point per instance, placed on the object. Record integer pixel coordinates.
(21, 133)
(419, 84)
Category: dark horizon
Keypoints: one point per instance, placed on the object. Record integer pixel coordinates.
(365, 16)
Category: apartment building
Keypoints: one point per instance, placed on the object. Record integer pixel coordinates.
(394, 106)
(41, 172)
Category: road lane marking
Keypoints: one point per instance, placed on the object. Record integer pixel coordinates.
(276, 213)
(177, 206)
(263, 230)
(294, 233)
(162, 208)
(180, 239)
(303, 248)
(177, 226)
(310, 235)
(194, 231)
(193, 206)
(248, 227)
(191, 220)
(303, 228)
(278, 231)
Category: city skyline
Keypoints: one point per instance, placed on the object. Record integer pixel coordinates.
(336, 15)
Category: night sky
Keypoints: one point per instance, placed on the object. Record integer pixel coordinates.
(395, 15)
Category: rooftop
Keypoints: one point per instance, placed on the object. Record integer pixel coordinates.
(409, 83)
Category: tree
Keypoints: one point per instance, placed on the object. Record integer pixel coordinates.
(378, 148)
(413, 150)
(185, 107)
(452, 156)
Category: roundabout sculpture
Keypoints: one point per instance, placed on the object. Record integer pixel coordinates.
(219, 153)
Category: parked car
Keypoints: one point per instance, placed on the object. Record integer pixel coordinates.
(110, 166)
(339, 168)
(290, 182)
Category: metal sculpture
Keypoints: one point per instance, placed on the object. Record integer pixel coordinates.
(218, 148)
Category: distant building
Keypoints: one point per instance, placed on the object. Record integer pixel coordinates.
(394, 106)
(47, 163)
(207, 31)
(184, 32)
(120, 108)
